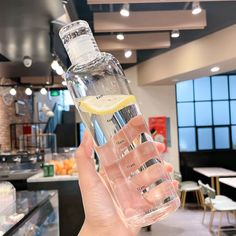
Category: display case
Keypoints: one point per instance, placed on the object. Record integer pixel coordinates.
(17, 167)
(64, 162)
(40, 141)
(18, 129)
(36, 214)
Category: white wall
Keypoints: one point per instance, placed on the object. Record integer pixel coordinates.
(157, 101)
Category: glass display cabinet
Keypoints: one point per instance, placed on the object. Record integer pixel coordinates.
(36, 214)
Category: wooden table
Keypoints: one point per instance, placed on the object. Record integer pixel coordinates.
(229, 181)
(214, 173)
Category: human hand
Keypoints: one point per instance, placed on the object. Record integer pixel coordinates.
(101, 217)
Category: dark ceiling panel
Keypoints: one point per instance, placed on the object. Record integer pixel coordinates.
(17, 69)
(24, 31)
(219, 15)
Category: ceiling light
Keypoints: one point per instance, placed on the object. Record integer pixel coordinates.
(28, 91)
(196, 8)
(27, 61)
(54, 64)
(60, 70)
(12, 91)
(48, 80)
(64, 83)
(120, 36)
(128, 53)
(43, 91)
(175, 34)
(124, 11)
(215, 69)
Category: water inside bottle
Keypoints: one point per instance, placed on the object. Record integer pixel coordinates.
(138, 182)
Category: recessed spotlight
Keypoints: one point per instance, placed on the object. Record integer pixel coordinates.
(27, 61)
(12, 91)
(196, 8)
(128, 53)
(60, 70)
(175, 34)
(28, 91)
(54, 64)
(215, 69)
(64, 83)
(124, 11)
(43, 91)
(120, 36)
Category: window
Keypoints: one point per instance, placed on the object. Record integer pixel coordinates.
(203, 113)
(182, 118)
(185, 91)
(220, 87)
(232, 86)
(205, 141)
(221, 112)
(233, 112)
(233, 132)
(222, 138)
(82, 130)
(187, 140)
(67, 98)
(202, 89)
(206, 110)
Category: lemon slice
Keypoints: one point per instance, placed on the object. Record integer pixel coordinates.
(105, 104)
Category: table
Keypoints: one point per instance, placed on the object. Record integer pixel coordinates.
(214, 173)
(229, 181)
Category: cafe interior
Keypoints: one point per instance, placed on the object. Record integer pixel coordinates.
(179, 60)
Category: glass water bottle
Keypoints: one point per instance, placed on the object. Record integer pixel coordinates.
(139, 185)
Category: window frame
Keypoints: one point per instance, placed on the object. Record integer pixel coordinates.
(213, 126)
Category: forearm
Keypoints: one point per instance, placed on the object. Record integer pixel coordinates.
(87, 230)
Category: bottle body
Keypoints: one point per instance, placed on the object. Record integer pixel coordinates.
(134, 170)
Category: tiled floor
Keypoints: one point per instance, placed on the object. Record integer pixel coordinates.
(187, 222)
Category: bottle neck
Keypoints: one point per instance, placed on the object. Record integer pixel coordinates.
(79, 43)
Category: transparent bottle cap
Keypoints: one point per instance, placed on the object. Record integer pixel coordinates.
(79, 42)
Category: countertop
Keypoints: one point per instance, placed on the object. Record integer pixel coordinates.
(57, 178)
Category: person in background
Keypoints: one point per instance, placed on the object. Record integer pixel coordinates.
(101, 217)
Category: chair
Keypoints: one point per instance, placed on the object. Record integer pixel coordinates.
(207, 202)
(185, 187)
(218, 203)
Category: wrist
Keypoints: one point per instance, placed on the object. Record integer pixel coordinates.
(85, 230)
(88, 230)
